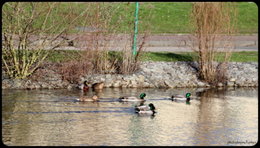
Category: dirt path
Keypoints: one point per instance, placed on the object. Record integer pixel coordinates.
(164, 42)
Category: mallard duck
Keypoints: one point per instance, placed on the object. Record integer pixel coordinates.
(142, 95)
(148, 110)
(88, 99)
(98, 85)
(181, 97)
(144, 107)
(85, 87)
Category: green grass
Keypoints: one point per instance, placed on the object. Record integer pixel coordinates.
(168, 56)
(58, 56)
(169, 17)
(158, 17)
(174, 17)
(245, 56)
(247, 17)
(249, 56)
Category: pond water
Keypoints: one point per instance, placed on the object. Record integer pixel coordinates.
(54, 118)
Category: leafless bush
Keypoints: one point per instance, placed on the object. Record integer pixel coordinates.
(29, 28)
(129, 63)
(73, 70)
(214, 24)
(107, 34)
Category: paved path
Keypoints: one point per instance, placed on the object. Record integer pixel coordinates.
(169, 42)
(178, 43)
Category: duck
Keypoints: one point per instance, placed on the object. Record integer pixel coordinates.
(181, 97)
(85, 86)
(144, 107)
(142, 95)
(146, 110)
(88, 99)
(98, 85)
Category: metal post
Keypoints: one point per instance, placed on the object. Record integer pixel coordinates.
(135, 28)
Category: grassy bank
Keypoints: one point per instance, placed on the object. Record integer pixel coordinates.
(163, 17)
(245, 56)
(174, 17)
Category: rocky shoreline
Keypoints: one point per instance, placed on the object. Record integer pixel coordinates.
(150, 75)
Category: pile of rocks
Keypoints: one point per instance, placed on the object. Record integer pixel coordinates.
(177, 74)
(48, 80)
(153, 74)
(243, 74)
(150, 74)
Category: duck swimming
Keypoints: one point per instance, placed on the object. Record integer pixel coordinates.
(181, 98)
(144, 107)
(88, 99)
(84, 86)
(98, 85)
(148, 110)
(142, 95)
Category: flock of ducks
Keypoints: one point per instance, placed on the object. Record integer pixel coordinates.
(142, 109)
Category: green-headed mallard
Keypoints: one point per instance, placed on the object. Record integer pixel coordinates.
(98, 85)
(146, 110)
(88, 99)
(144, 107)
(181, 98)
(85, 87)
(142, 95)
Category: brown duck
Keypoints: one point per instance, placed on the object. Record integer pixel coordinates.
(88, 99)
(98, 85)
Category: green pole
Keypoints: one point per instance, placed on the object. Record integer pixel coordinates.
(135, 28)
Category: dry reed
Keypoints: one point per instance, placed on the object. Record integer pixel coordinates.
(213, 28)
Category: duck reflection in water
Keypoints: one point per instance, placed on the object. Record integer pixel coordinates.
(98, 92)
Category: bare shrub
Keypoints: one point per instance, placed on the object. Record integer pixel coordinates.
(32, 29)
(128, 62)
(110, 31)
(29, 29)
(213, 27)
(73, 70)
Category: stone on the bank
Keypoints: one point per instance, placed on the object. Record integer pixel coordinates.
(7, 83)
(201, 84)
(18, 83)
(232, 80)
(230, 83)
(150, 74)
(116, 83)
(168, 84)
(220, 85)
